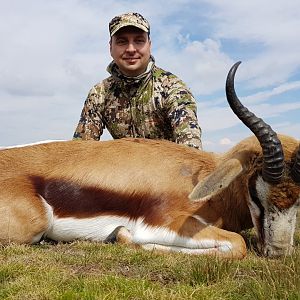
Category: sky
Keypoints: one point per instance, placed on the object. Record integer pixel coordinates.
(53, 52)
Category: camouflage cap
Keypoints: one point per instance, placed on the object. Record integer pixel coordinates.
(128, 19)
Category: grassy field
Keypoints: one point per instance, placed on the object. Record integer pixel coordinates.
(84, 270)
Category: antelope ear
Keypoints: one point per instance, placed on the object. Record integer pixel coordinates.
(220, 179)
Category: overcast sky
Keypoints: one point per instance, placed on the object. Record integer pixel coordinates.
(53, 52)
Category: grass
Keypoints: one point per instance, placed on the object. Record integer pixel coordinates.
(85, 270)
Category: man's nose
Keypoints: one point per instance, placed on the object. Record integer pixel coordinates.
(131, 47)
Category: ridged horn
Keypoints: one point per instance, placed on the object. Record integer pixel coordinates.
(295, 172)
(273, 158)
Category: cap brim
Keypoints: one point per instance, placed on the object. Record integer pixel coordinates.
(144, 28)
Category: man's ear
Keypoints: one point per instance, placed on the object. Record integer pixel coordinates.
(110, 45)
(220, 179)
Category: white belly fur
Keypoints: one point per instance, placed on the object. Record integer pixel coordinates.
(100, 227)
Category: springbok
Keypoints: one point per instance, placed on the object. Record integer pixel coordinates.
(157, 195)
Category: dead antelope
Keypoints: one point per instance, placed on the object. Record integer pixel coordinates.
(155, 194)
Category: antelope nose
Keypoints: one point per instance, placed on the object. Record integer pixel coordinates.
(275, 251)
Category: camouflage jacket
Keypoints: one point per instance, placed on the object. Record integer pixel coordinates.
(154, 105)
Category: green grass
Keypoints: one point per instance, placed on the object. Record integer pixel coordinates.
(85, 270)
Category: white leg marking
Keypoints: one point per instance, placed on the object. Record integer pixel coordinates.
(37, 238)
(49, 216)
(162, 236)
(152, 247)
(201, 220)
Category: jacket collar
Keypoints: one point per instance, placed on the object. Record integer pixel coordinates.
(114, 70)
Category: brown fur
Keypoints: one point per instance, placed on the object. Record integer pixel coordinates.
(284, 195)
(130, 177)
(22, 213)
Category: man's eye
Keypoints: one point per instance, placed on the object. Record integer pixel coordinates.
(121, 42)
(141, 41)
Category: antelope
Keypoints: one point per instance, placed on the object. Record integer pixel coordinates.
(156, 194)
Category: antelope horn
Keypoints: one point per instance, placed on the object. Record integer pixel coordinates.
(295, 172)
(273, 158)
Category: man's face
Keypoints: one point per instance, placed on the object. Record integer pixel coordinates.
(130, 49)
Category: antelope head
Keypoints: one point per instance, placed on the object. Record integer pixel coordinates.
(274, 187)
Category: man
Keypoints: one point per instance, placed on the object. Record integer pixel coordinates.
(138, 99)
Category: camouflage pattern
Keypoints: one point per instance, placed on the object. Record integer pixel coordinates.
(154, 105)
(128, 19)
